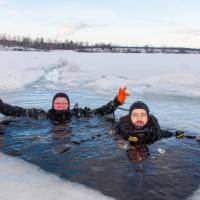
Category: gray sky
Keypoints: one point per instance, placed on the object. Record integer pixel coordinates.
(124, 22)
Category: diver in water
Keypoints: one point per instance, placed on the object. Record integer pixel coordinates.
(140, 127)
(60, 113)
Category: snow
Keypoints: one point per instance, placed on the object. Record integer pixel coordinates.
(195, 195)
(103, 72)
(140, 72)
(18, 69)
(20, 180)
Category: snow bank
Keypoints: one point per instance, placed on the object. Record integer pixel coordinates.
(103, 72)
(166, 73)
(195, 195)
(18, 69)
(20, 180)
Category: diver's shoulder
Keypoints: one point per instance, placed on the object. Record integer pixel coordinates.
(152, 117)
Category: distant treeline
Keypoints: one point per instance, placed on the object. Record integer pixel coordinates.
(48, 44)
(24, 43)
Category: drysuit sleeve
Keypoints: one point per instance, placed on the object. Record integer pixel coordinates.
(17, 111)
(165, 134)
(109, 108)
(160, 132)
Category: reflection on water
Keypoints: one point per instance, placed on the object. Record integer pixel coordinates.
(138, 153)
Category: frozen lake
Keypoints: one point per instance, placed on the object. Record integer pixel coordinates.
(169, 84)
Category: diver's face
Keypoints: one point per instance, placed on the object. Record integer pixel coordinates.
(139, 117)
(61, 103)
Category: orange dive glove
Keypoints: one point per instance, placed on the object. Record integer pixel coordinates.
(122, 94)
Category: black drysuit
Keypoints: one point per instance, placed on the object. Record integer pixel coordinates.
(58, 116)
(147, 135)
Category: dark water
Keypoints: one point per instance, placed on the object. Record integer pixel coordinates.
(85, 153)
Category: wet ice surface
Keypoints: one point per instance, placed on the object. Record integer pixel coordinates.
(85, 153)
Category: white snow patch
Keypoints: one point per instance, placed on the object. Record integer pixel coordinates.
(18, 69)
(195, 195)
(104, 72)
(20, 180)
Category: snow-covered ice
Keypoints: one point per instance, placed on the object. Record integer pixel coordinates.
(18, 69)
(103, 73)
(20, 180)
(195, 195)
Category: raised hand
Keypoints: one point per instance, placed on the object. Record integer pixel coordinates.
(122, 94)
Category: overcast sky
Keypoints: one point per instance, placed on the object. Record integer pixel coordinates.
(124, 22)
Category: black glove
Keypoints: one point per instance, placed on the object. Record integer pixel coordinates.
(86, 111)
(179, 134)
(36, 113)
